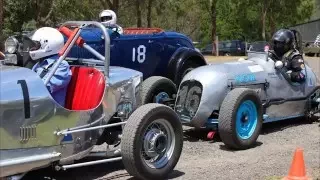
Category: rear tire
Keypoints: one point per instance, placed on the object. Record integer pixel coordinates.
(157, 128)
(155, 89)
(240, 119)
(188, 66)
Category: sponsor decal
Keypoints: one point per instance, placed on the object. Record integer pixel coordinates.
(245, 78)
(67, 138)
(310, 82)
(255, 68)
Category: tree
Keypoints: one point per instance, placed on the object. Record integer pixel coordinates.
(1, 24)
(213, 6)
(113, 5)
(263, 18)
(41, 11)
(283, 13)
(14, 20)
(201, 20)
(149, 18)
(139, 20)
(1, 16)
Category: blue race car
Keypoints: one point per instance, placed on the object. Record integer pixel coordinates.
(163, 57)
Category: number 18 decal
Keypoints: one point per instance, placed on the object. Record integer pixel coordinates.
(139, 54)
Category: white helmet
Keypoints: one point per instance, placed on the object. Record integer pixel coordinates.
(49, 41)
(108, 17)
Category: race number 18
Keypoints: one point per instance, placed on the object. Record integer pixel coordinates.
(139, 54)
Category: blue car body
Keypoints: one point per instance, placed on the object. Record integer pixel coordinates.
(155, 54)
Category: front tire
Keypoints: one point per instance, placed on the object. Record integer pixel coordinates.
(152, 142)
(240, 119)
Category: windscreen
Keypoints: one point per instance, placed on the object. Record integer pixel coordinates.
(260, 55)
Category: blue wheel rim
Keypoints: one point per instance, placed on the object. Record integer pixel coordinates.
(246, 119)
(161, 96)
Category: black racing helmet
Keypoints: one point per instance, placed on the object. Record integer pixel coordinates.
(282, 41)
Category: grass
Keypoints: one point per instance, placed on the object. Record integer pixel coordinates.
(223, 58)
(215, 59)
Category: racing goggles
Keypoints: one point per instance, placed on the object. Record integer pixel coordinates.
(278, 45)
(34, 45)
(106, 18)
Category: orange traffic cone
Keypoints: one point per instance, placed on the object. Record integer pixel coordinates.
(297, 170)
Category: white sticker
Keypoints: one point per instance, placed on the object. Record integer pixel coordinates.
(255, 68)
(310, 82)
(233, 62)
(238, 62)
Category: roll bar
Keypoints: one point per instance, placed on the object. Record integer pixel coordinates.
(74, 39)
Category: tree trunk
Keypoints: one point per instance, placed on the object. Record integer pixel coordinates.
(1, 17)
(149, 18)
(263, 19)
(139, 21)
(41, 20)
(1, 25)
(272, 25)
(213, 4)
(114, 5)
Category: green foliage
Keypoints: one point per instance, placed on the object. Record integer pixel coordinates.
(234, 19)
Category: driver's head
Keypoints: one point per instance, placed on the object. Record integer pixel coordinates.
(47, 42)
(108, 17)
(282, 41)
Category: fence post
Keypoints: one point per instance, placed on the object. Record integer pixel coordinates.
(217, 45)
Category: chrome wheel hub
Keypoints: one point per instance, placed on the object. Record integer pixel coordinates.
(158, 144)
(155, 143)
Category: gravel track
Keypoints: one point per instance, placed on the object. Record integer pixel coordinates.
(204, 159)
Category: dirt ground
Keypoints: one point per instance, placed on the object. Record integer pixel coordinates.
(204, 159)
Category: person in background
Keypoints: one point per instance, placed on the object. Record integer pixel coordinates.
(109, 19)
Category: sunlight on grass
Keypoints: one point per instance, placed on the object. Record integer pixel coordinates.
(214, 59)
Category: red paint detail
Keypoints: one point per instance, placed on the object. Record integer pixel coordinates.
(67, 32)
(142, 30)
(85, 89)
(63, 50)
(211, 135)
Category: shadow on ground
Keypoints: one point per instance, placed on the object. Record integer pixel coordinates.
(173, 175)
(194, 135)
(272, 127)
(82, 173)
(88, 173)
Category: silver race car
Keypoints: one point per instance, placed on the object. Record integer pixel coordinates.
(102, 106)
(236, 98)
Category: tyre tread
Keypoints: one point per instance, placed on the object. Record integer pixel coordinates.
(226, 116)
(131, 131)
(151, 83)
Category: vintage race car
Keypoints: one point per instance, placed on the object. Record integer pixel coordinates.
(163, 57)
(236, 98)
(103, 105)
